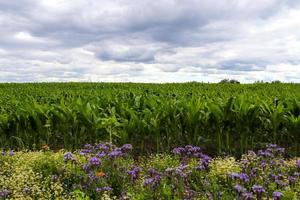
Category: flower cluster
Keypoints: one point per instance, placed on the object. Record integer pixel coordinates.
(7, 153)
(92, 160)
(105, 170)
(153, 180)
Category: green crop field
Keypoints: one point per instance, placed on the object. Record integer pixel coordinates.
(223, 118)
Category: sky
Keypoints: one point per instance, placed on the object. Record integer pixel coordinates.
(149, 41)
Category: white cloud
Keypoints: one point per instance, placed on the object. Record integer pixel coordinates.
(149, 41)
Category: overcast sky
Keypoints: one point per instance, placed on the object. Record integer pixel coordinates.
(149, 41)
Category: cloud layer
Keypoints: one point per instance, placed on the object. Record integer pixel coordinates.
(149, 41)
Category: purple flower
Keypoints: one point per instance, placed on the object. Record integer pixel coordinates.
(244, 177)
(4, 193)
(91, 176)
(280, 150)
(87, 146)
(154, 180)
(178, 150)
(11, 153)
(115, 153)
(3, 153)
(86, 167)
(233, 175)
(95, 161)
(68, 156)
(265, 153)
(277, 195)
(280, 182)
(180, 170)
(258, 189)
(101, 154)
(248, 196)
(84, 152)
(169, 170)
(126, 148)
(292, 179)
(104, 189)
(238, 188)
(148, 181)
(263, 164)
(253, 172)
(134, 173)
(271, 146)
(298, 163)
(152, 171)
(190, 194)
(201, 167)
(103, 147)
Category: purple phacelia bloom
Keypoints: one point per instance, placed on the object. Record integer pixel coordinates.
(169, 170)
(3, 153)
(178, 150)
(134, 173)
(258, 189)
(277, 195)
(244, 177)
(91, 176)
(4, 193)
(272, 146)
(280, 150)
(248, 196)
(101, 154)
(263, 164)
(189, 195)
(201, 167)
(205, 158)
(104, 189)
(152, 171)
(292, 179)
(180, 170)
(298, 163)
(238, 188)
(107, 188)
(68, 156)
(103, 147)
(87, 146)
(95, 161)
(233, 175)
(86, 167)
(115, 153)
(11, 153)
(148, 181)
(153, 181)
(84, 152)
(280, 182)
(126, 148)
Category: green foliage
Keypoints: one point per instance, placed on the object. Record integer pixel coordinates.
(227, 118)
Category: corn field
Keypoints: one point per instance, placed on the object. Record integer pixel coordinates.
(224, 118)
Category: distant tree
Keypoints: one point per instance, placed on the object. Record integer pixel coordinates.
(276, 81)
(232, 81)
(259, 81)
(224, 81)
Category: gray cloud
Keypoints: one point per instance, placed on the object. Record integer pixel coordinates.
(168, 40)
